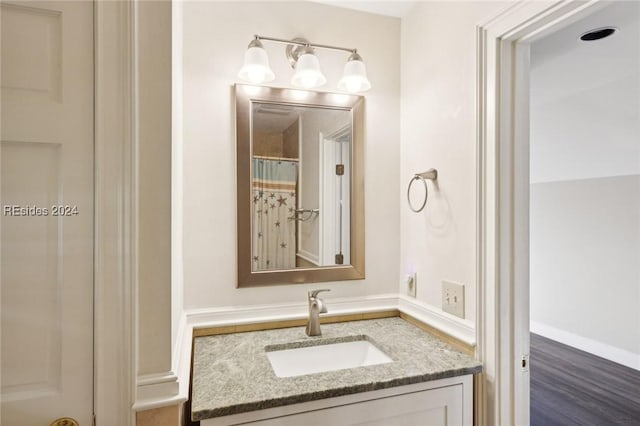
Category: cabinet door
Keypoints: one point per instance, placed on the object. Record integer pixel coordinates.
(442, 406)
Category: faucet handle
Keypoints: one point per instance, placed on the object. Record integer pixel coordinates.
(314, 293)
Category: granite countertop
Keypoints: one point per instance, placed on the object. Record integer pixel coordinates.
(232, 374)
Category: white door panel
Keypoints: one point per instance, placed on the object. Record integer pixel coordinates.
(47, 212)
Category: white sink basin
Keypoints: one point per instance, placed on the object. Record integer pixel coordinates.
(327, 357)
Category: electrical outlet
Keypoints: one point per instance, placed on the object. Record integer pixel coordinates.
(453, 298)
(412, 284)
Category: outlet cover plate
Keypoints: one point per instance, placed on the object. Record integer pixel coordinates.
(453, 298)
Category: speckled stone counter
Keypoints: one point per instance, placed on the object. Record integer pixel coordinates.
(232, 374)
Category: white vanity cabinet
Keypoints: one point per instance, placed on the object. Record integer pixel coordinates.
(446, 402)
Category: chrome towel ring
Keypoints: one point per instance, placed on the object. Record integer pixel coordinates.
(431, 174)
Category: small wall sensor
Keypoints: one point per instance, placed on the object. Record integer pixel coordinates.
(411, 282)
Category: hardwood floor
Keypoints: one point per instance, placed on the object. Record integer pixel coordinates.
(572, 387)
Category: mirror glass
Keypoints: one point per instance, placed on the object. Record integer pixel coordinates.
(300, 183)
(299, 162)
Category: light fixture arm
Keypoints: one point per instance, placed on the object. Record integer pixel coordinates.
(305, 43)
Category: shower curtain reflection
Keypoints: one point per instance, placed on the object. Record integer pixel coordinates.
(274, 202)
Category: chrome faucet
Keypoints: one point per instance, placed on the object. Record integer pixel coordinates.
(316, 307)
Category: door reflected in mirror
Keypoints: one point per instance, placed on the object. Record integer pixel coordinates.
(300, 186)
(300, 163)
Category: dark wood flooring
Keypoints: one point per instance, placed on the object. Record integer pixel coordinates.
(571, 387)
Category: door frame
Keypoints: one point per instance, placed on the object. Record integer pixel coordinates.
(115, 212)
(327, 191)
(502, 158)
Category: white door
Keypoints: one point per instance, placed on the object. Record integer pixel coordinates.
(47, 212)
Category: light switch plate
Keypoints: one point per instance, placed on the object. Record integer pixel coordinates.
(453, 298)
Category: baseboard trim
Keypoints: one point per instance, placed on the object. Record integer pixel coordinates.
(460, 329)
(603, 350)
(157, 390)
(225, 316)
(196, 321)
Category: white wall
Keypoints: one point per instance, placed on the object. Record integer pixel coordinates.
(215, 36)
(153, 155)
(604, 144)
(439, 131)
(177, 285)
(585, 259)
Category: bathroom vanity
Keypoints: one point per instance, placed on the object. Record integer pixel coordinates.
(371, 372)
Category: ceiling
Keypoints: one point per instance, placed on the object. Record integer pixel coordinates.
(396, 9)
(585, 99)
(569, 65)
(274, 118)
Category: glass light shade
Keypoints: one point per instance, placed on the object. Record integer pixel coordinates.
(308, 74)
(354, 79)
(256, 67)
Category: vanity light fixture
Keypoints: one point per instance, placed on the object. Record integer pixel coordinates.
(354, 78)
(256, 67)
(301, 55)
(308, 73)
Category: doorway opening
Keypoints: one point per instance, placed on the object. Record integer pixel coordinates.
(584, 221)
(504, 44)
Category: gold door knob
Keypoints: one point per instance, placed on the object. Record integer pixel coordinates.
(65, 421)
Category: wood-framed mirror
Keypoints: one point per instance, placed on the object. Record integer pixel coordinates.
(300, 186)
